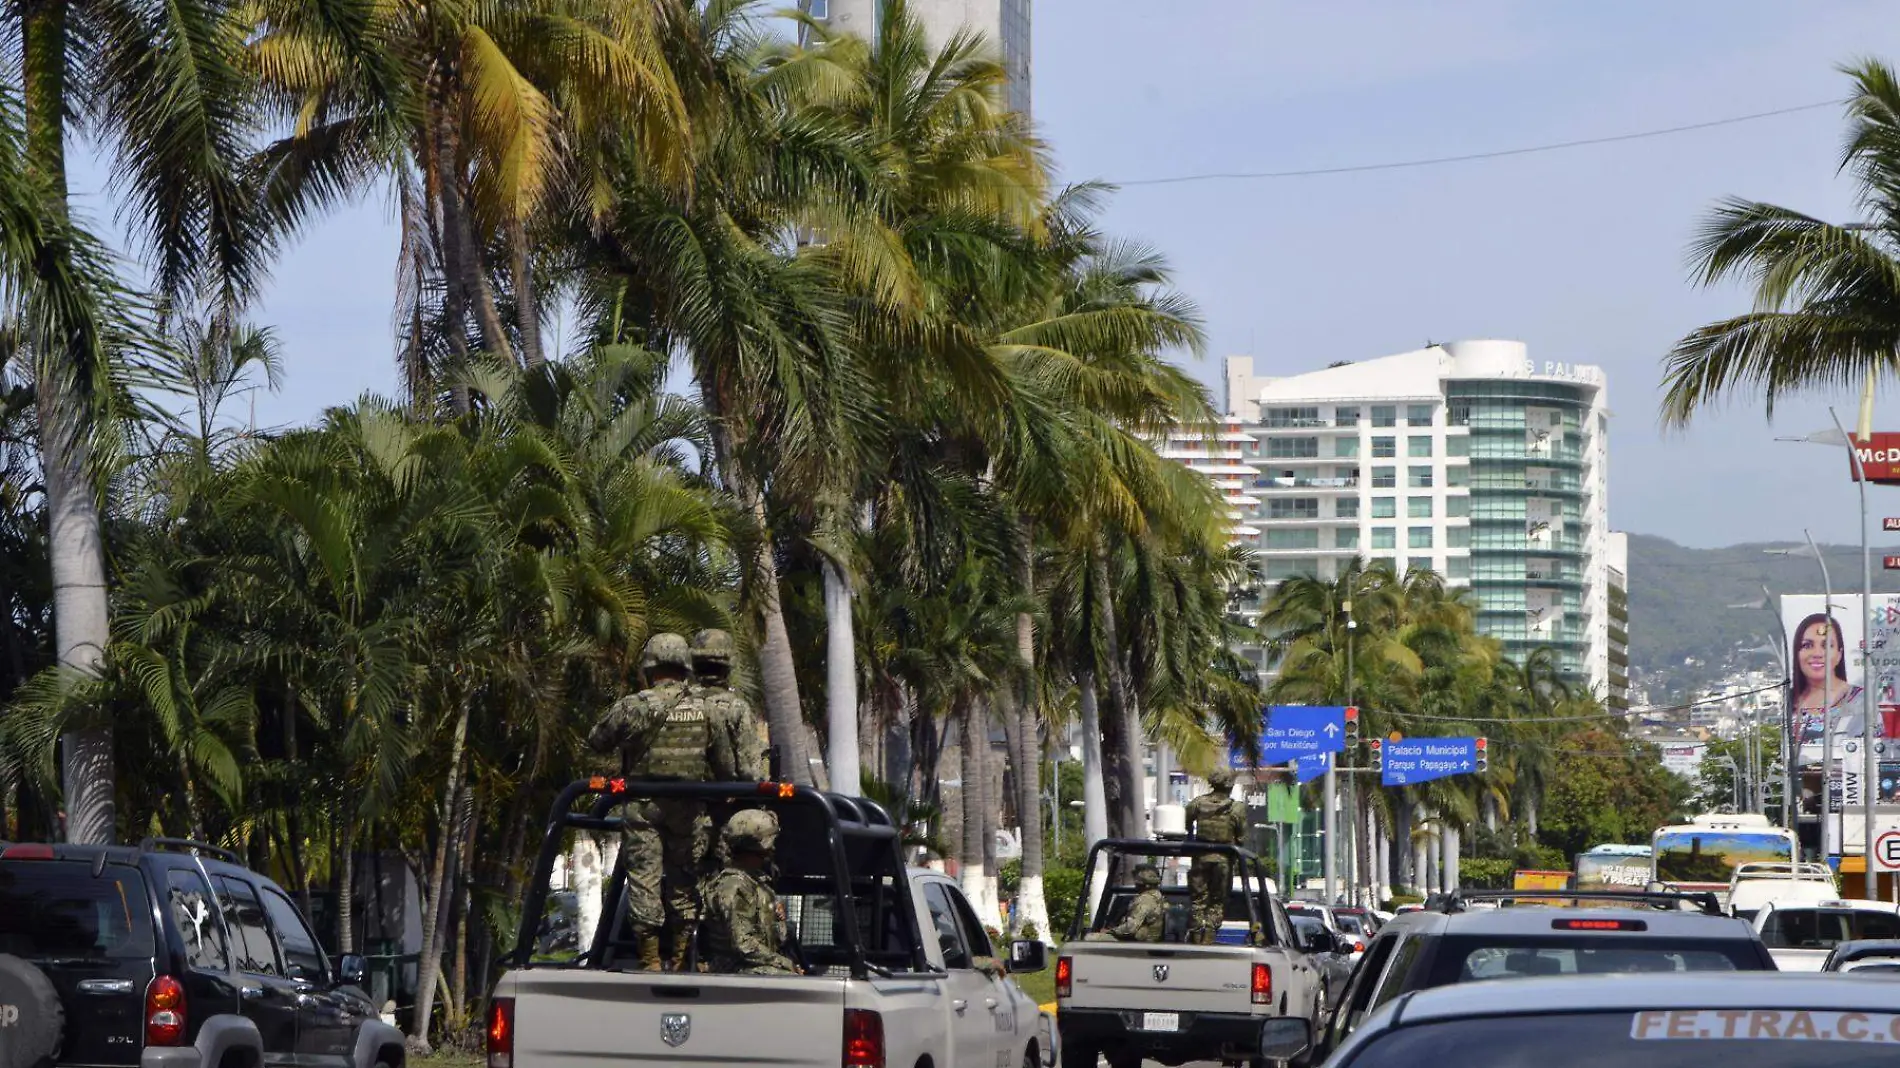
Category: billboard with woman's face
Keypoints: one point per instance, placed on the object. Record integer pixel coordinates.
(1831, 656)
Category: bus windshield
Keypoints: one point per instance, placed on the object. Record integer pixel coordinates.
(1710, 855)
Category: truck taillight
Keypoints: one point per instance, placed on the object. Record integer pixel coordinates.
(863, 1039)
(165, 1012)
(501, 1033)
(1262, 985)
(1065, 976)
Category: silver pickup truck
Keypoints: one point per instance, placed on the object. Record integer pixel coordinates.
(898, 972)
(1174, 1002)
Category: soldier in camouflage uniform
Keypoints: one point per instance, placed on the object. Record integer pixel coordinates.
(745, 729)
(744, 922)
(666, 732)
(1213, 817)
(1147, 914)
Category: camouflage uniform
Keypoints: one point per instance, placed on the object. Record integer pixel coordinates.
(1214, 817)
(741, 730)
(666, 731)
(1147, 914)
(744, 927)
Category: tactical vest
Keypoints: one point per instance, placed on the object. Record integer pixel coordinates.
(1216, 821)
(680, 738)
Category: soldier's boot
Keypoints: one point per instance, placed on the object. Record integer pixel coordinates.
(682, 949)
(649, 940)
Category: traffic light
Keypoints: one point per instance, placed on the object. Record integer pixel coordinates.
(1484, 754)
(1352, 724)
(1377, 748)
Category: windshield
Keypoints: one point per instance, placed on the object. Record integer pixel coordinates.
(1712, 856)
(1653, 1039)
(1825, 928)
(1352, 925)
(1464, 960)
(56, 909)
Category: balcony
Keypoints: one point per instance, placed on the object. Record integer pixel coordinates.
(1282, 482)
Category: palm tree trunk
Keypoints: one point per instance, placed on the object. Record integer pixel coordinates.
(429, 965)
(841, 681)
(1094, 780)
(346, 889)
(970, 858)
(463, 266)
(1033, 909)
(1121, 737)
(81, 624)
(527, 313)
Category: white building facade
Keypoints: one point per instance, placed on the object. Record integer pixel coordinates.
(1470, 458)
(1004, 24)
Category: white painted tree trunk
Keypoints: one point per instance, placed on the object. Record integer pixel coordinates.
(972, 876)
(841, 682)
(1094, 789)
(1453, 844)
(587, 868)
(81, 620)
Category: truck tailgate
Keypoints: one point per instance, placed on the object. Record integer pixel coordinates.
(1147, 975)
(575, 1018)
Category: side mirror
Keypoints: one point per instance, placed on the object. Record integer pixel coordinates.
(351, 969)
(1285, 1037)
(1312, 941)
(1027, 955)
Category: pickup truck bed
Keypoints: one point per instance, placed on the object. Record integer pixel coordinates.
(898, 971)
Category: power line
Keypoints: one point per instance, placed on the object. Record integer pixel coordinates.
(1470, 157)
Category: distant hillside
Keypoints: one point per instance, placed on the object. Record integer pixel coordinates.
(1679, 599)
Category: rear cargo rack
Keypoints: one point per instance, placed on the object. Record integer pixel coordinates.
(160, 845)
(1657, 899)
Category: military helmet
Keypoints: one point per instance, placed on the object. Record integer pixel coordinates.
(752, 830)
(1147, 876)
(666, 650)
(1220, 778)
(712, 648)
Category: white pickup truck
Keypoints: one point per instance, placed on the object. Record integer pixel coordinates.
(898, 972)
(1172, 1001)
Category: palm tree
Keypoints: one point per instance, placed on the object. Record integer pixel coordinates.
(1825, 294)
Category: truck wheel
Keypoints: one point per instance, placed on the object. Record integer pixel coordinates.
(31, 1013)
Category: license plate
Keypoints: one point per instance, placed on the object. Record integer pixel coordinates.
(1160, 1021)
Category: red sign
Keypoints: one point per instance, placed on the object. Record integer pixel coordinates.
(1891, 563)
(1879, 456)
(1892, 522)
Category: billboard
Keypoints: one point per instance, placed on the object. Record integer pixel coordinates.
(1879, 456)
(1832, 655)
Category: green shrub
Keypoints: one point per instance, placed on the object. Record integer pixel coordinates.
(1486, 873)
(1060, 889)
(1009, 877)
(1392, 903)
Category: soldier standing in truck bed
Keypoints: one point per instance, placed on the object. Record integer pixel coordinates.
(744, 729)
(667, 731)
(1213, 817)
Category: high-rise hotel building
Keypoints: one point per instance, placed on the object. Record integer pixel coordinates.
(1471, 458)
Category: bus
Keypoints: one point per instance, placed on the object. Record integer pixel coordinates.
(1613, 867)
(1704, 853)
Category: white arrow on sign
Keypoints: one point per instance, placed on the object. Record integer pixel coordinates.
(1331, 729)
(1887, 851)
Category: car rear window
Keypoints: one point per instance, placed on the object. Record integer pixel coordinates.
(51, 909)
(1825, 929)
(1468, 960)
(1651, 1039)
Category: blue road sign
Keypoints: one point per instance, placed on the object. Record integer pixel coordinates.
(1288, 732)
(1308, 768)
(1415, 760)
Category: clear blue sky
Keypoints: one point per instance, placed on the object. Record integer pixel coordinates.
(1578, 253)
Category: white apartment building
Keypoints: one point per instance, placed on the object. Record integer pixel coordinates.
(1005, 24)
(1470, 458)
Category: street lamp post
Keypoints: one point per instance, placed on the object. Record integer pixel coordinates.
(1827, 721)
(1788, 747)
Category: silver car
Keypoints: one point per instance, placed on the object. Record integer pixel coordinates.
(1735, 1019)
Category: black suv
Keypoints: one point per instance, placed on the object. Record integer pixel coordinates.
(1510, 934)
(170, 954)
